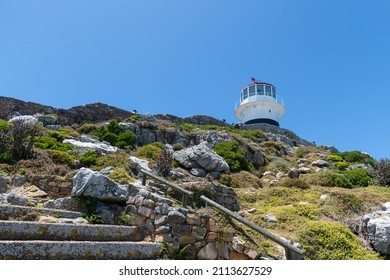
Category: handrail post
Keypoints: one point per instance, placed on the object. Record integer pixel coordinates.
(184, 200)
(143, 179)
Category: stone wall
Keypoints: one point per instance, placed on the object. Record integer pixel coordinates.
(53, 185)
(181, 227)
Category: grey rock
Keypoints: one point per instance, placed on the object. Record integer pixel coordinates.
(293, 173)
(89, 138)
(106, 171)
(201, 156)
(16, 199)
(268, 173)
(270, 218)
(320, 163)
(379, 233)
(3, 185)
(53, 126)
(90, 183)
(238, 244)
(304, 170)
(198, 232)
(66, 203)
(280, 175)
(46, 119)
(163, 229)
(83, 147)
(273, 183)
(214, 137)
(385, 206)
(127, 126)
(198, 172)
(138, 164)
(215, 174)
(323, 197)
(162, 209)
(148, 118)
(378, 229)
(18, 180)
(176, 217)
(301, 160)
(27, 120)
(107, 214)
(208, 252)
(161, 220)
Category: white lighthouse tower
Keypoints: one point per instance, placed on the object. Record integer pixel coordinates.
(259, 103)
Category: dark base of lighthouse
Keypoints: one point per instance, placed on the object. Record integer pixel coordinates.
(269, 121)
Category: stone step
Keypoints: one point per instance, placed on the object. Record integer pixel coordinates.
(77, 250)
(14, 211)
(22, 230)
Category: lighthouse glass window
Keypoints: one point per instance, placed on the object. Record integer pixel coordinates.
(260, 89)
(268, 90)
(245, 91)
(251, 90)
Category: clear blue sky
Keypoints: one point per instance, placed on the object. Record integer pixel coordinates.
(330, 60)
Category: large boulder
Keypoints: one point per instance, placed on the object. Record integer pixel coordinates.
(214, 137)
(91, 183)
(378, 229)
(98, 147)
(26, 120)
(138, 164)
(201, 156)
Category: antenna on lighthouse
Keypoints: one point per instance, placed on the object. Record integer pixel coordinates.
(253, 79)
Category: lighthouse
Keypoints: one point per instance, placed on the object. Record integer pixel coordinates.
(259, 103)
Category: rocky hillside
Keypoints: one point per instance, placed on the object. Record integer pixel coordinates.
(331, 204)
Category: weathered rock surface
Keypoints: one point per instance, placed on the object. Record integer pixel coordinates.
(293, 173)
(378, 229)
(201, 156)
(31, 192)
(320, 163)
(213, 138)
(138, 164)
(99, 147)
(90, 183)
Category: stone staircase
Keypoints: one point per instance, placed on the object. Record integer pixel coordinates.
(41, 240)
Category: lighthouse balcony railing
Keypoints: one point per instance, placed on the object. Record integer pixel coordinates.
(253, 98)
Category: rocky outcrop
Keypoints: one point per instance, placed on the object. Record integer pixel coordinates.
(90, 183)
(279, 134)
(137, 164)
(94, 145)
(378, 229)
(201, 156)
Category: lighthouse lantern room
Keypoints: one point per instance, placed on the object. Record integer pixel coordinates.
(259, 103)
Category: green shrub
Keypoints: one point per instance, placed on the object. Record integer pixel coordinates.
(341, 165)
(233, 155)
(334, 158)
(126, 140)
(150, 151)
(357, 157)
(243, 179)
(110, 137)
(115, 128)
(358, 177)
(323, 240)
(120, 174)
(134, 118)
(51, 143)
(88, 159)
(294, 183)
(88, 128)
(301, 152)
(382, 172)
(332, 179)
(61, 157)
(5, 157)
(177, 147)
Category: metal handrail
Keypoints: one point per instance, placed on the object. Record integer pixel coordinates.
(185, 192)
(292, 252)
